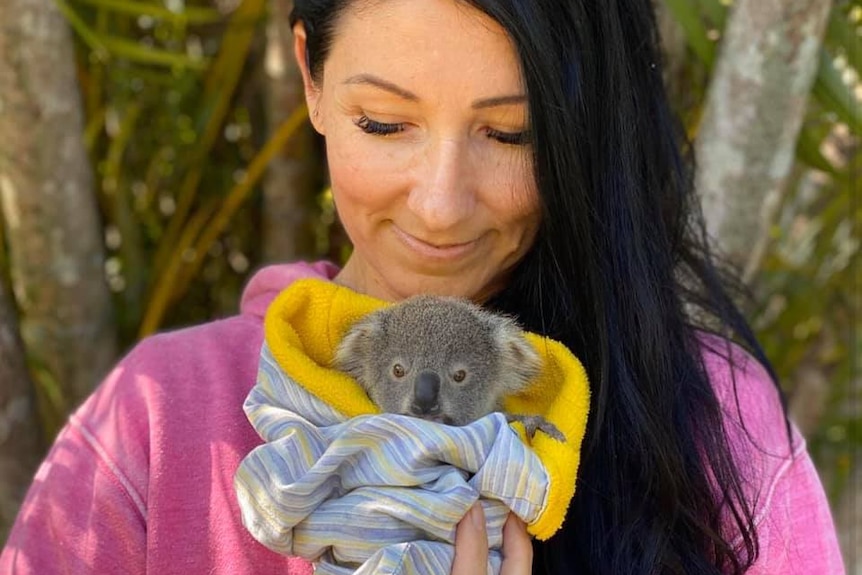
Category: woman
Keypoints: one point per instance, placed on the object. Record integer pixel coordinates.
(521, 154)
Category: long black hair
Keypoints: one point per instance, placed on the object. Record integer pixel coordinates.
(620, 260)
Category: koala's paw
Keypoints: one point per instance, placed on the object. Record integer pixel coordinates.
(532, 423)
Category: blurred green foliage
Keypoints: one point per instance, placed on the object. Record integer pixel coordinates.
(174, 121)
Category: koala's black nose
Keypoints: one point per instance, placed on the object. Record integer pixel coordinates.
(425, 392)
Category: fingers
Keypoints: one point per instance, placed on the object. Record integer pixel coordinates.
(517, 548)
(471, 544)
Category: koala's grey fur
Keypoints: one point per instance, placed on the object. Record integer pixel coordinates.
(408, 357)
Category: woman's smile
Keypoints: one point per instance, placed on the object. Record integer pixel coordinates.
(443, 251)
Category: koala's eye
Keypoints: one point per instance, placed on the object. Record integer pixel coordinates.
(398, 370)
(459, 375)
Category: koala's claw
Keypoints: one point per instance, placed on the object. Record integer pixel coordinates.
(532, 423)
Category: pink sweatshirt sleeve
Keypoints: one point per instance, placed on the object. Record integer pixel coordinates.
(82, 513)
(796, 531)
(794, 523)
(140, 480)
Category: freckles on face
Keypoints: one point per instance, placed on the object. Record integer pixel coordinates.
(424, 112)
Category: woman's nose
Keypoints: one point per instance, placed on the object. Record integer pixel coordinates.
(443, 194)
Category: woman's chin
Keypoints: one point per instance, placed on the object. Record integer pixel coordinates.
(399, 280)
(459, 287)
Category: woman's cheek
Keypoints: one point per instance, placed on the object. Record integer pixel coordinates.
(349, 161)
(357, 165)
(509, 191)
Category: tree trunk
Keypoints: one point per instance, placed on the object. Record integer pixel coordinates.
(20, 445)
(49, 208)
(294, 177)
(756, 103)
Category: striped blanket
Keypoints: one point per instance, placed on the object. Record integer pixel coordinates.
(376, 493)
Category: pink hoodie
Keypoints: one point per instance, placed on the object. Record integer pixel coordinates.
(141, 478)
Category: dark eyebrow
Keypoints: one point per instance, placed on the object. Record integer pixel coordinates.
(499, 101)
(371, 80)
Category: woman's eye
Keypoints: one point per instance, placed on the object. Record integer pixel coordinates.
(369, 126)
(511, 138)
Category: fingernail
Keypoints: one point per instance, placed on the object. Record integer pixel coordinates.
(477, 516)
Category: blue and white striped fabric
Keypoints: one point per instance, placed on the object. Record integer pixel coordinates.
(376, 494)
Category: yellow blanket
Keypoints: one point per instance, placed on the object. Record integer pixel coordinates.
(305, 323)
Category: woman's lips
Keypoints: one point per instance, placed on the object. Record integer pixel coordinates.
(441, 252)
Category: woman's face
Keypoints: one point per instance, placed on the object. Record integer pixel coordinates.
(427, 134)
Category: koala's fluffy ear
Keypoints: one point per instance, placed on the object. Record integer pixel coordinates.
(352, 354)
(519, 362)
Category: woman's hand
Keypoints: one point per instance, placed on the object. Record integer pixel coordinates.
(471, 546)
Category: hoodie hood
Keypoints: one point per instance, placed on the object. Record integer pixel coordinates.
(271, 280)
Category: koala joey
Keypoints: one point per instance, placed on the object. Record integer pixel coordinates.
(442, 359)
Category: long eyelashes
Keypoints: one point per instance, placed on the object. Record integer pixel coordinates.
(370, 126)
(511, 138)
